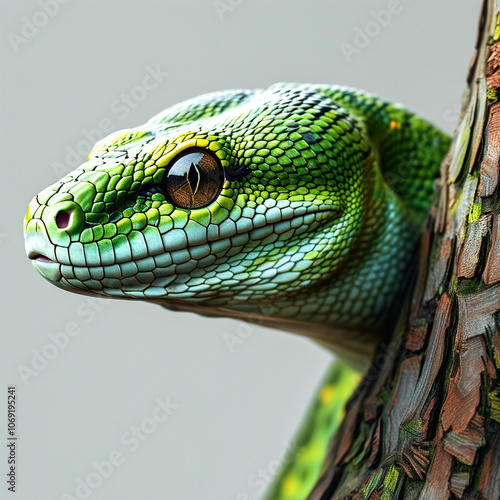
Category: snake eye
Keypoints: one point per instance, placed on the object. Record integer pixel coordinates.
(194, 179)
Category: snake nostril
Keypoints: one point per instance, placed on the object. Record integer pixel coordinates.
(63, 219)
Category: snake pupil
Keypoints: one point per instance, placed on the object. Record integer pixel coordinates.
(193, 178)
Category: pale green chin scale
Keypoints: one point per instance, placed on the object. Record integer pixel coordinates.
(271, 205)
(50, 271)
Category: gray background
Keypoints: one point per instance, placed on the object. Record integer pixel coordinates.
(236, 409)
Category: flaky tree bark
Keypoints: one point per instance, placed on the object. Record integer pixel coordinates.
(425, 422)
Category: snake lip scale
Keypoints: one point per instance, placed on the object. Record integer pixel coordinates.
(321, 216)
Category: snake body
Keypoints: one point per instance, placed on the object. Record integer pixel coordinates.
(298, 206)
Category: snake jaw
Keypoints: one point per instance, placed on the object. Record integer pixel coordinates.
(172, 276)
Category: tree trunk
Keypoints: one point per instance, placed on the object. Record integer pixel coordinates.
(425, 422)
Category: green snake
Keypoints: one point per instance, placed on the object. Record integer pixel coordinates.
(298, 206)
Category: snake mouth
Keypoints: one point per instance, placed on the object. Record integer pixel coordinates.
(38, 257)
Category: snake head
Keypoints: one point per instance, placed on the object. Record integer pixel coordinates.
(266, 202)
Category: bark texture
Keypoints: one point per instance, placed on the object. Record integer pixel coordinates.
(425, 422)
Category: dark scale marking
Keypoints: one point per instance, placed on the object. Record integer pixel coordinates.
(309, 138)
